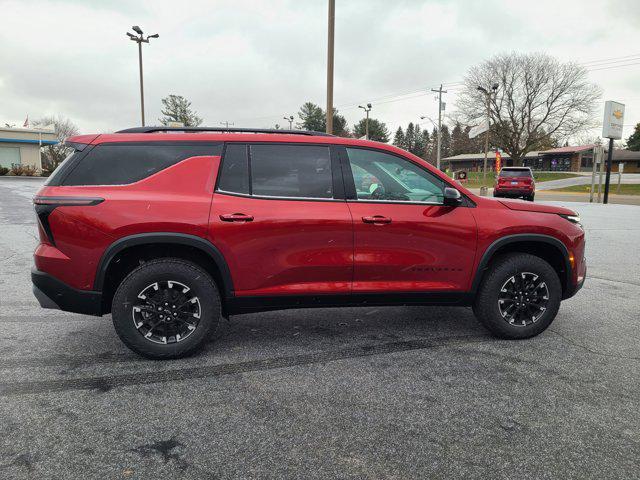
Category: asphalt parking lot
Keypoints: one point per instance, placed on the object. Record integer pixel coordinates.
(405, 392)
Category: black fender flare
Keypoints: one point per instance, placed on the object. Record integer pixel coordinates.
(164, 237)
(521, 237)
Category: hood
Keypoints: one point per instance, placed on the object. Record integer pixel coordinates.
(536, 207)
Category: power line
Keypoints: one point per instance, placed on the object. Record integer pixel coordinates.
(613, 66)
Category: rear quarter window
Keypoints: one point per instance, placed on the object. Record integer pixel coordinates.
(122, 164)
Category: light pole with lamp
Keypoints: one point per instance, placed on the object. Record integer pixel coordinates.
(140, 39)
(290, 120)
(487, 94)
(367, 109)
(438, 147)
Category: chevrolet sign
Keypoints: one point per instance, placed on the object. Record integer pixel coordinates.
(613, 120)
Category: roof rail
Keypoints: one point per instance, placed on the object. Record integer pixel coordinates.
(222, 130)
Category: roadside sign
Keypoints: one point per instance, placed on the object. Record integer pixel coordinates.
(613, 120)
(621, 167)
(175, 124)
(498, 161)
(478, 129)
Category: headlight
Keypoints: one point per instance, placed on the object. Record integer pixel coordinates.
(573, 219)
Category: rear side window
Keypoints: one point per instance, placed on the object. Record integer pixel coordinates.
(515, 173)
(58, 174)
(122, 164)
(295, 171)
(234, 174)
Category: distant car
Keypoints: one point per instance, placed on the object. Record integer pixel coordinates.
(171, 229)
(515, 182)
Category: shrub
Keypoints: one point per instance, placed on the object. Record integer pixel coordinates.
(3, 171)
(23, 170)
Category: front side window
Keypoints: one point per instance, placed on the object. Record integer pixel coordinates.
(122, 164)
(383, 177)
(294, 171)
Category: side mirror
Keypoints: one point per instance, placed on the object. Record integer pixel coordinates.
(452, 197)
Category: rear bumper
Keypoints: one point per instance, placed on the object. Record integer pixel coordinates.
(52, 293)
(506, 192)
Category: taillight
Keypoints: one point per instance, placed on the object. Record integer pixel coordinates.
(45, 205)
(67, 201)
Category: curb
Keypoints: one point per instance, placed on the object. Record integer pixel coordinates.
(19, 177)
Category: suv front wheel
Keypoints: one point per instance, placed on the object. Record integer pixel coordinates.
(519, 296)
(166, 308)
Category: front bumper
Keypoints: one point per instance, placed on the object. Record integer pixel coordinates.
(579, 284)
(52, 293)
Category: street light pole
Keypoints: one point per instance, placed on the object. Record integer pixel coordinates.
(290, 120)
(435, 126)
(440, 92)
(367, 109)
(140, 39)
(330, 35)
(487, 95)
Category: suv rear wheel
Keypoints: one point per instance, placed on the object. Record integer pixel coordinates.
(519, 296)
(166, 308)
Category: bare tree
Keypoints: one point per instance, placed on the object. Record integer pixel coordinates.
(63, 127)
(538, 99)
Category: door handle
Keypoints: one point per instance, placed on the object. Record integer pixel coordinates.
(236, 217)
(376, 219)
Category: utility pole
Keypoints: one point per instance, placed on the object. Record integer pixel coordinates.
(140, 39)
(226, 124)
(440, 109)
(367, 109)
(330, 36)
(487, 94)
(290, 120)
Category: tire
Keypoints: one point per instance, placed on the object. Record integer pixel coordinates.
(521, 267)
(157, 281)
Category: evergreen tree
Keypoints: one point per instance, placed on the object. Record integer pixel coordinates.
(399, 138)
(340, 127)
(457, 140)
(176, 108)
(409, 137)
(426, 140)
(312, 118)
(633, 142)
(445, 143)
(418, 142)
(377, 130)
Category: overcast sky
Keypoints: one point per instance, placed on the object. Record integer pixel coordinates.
(252, 62)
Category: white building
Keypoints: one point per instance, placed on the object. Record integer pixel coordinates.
(22, 146)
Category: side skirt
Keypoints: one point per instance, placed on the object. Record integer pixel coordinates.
(253, 304)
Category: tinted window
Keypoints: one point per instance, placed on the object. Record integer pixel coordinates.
(121, 164)
(515, 173)
(234, 173)
(379, 176)
(291, 171)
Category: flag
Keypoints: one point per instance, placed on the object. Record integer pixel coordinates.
(498, 161)
(26, 122)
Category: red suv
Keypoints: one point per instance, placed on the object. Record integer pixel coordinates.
(171, 230)
(515, 182)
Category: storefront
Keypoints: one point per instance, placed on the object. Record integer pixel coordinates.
(22, 146)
